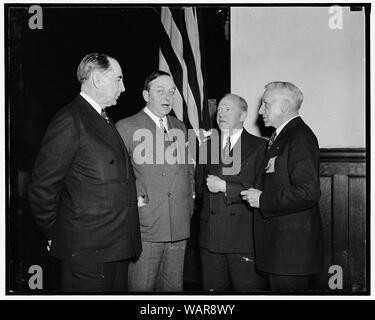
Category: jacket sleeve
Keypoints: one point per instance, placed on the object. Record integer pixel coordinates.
(234, 188)
(53, 162)
(302, 191)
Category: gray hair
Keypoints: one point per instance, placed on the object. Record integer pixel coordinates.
(291, 89)
(91, 62)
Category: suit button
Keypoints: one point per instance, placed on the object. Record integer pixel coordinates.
(169, 194)
(163, 174)
(212, 212)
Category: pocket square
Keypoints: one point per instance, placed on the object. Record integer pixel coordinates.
(271, 165)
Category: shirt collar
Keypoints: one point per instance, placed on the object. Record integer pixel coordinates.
(278, 130)
(92, 102)
(236, 133)
(156, 118)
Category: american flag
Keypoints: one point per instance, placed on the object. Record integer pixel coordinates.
(180, 55)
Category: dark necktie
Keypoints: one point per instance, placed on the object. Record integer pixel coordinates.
(271, 140)
(104, 115)
(227, 148)
(162, 125)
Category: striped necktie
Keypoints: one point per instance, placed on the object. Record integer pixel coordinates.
(104, 115)
(271, 140)
(162, 125)
(227, 148)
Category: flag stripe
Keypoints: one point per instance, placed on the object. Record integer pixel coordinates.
(175, 70)
(179, 18)
(180, 56)
(206, 118)
(176, 40)
(191, 21)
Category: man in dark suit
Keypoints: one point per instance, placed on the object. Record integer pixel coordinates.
(226, 236)
(83, 192)
(164, 188)
(288, 231)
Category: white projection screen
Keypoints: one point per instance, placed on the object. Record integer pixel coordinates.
(319, 49)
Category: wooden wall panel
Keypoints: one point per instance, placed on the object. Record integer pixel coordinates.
(326, 214)
(357, 233)
(343, 211)
(340, 240)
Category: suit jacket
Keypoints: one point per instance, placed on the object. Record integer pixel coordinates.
(83, 192)
(167, 188)
(226, 224)
(288, 231)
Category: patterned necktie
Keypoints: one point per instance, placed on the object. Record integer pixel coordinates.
(271, 140)
(227, 148)
(162, 125)
(104, 115)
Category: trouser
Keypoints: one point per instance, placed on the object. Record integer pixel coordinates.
(100, 277)
(288, 283)
(230, 272)
(159, 267)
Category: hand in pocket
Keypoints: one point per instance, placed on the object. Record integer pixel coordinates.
(142, 200)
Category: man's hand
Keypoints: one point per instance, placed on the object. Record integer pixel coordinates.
(215, 184)
(141, 201)
(252, 196)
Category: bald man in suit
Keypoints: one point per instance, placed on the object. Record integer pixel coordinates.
(226, 221)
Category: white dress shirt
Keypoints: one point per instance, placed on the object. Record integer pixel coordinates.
(156, 119)
(233, 138)
(92, 102)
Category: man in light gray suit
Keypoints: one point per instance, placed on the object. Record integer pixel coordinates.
(164, 189)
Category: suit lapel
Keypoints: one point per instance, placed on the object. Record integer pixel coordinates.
(148, 122)
(242, 147)
(278, 144)
(151, 125)
(171, 129)
(99, 126)
(214, 168)
(284, 134)
(246, 147)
